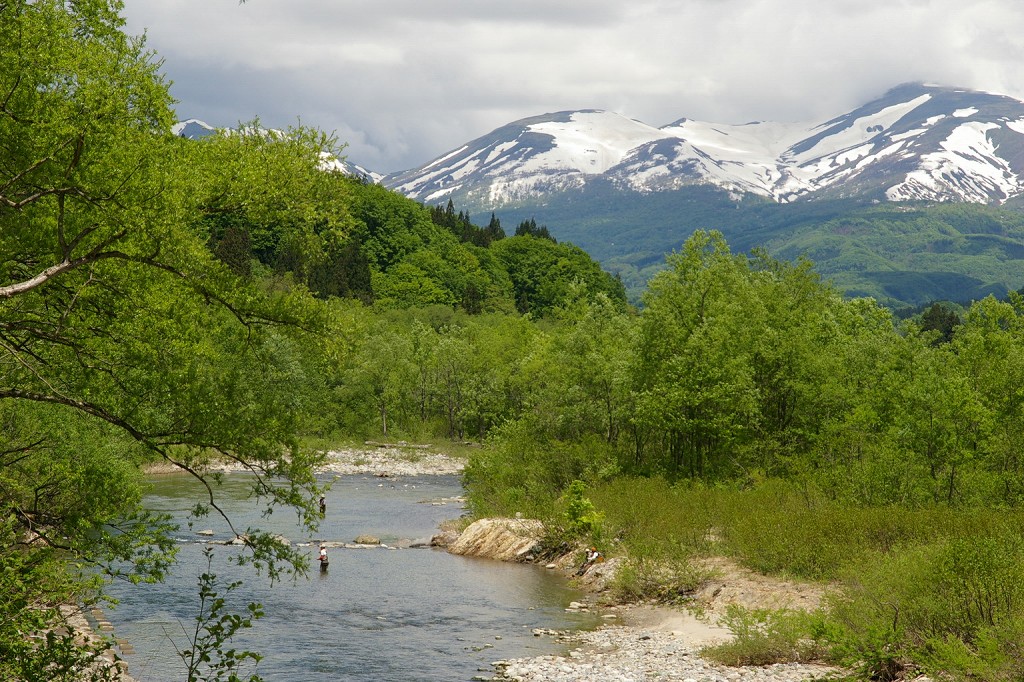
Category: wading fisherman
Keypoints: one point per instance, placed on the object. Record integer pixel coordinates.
(323, 558)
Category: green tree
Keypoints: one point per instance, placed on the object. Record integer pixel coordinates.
(990, 352)
(543, 274)
(940, 318)
(115, 318)
(381, 376)
(695, 381)
(593, 345)
(938, 418)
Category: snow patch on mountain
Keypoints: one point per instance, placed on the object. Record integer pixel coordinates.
(854, 134)
(590, 142)
(967, 163)
(1016, 126)
(915, 142)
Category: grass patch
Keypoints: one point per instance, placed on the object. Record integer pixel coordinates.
(669, 582)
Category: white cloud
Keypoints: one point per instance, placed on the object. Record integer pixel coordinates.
(404, 81)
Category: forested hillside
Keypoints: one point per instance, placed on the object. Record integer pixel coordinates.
(904, 254)
(390, 252)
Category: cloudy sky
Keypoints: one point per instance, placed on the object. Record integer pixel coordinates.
(403, 81)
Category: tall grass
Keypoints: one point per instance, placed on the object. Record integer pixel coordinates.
(937, 589)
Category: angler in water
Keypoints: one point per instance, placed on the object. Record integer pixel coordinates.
(323, 558)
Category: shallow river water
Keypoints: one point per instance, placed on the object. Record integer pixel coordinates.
(377, 614)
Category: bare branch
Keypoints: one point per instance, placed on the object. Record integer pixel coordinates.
(206, 484)
(24, 451)
(150, 441)
(17, 80)
(65, 265)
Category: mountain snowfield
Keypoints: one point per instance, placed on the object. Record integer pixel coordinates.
(917, 142)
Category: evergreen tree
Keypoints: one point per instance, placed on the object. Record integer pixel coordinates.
(942, 318)
(529, 228)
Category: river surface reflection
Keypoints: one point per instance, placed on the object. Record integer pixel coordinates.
(377, 614)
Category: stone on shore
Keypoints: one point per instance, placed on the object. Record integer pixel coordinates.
(388, 462)
(501, 539)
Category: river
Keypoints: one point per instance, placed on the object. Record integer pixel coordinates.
(377, 614)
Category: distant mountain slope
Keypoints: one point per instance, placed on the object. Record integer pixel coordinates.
(193, 129)
(903, 254)
(628, 192)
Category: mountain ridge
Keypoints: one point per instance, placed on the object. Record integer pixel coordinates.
(916, 142)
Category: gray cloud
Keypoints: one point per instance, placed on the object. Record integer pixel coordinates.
(403, 81)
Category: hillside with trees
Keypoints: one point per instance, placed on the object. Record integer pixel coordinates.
(390, 252)
(902, 254)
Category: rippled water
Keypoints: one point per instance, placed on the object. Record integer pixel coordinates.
(377, 614)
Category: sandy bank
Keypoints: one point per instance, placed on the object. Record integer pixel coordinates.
(642, 642)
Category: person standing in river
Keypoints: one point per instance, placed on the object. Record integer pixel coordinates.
(323, 558)
(323, 506)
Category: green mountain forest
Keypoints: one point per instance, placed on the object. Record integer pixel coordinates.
(902, 255)
(171, 300)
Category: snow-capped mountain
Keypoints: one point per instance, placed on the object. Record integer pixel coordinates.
(343, 165)
(915, 142)
(193, 129)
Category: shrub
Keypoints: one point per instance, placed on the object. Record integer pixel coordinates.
(764, 637)
(953, 606)
(673, 582)
(654, 520)
(580, 516)
(519, 471)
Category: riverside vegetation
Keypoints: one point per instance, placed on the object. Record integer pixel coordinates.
(182, 301)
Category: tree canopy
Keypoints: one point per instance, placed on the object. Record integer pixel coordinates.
(122, 337)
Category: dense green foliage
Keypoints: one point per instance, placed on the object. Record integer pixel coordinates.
(121, 338)
(758, 413)
(181, 301)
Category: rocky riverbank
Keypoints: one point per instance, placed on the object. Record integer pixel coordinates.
(385, 460)
(109, 664)
(392, 460)
(642, 642)
(632, 653)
